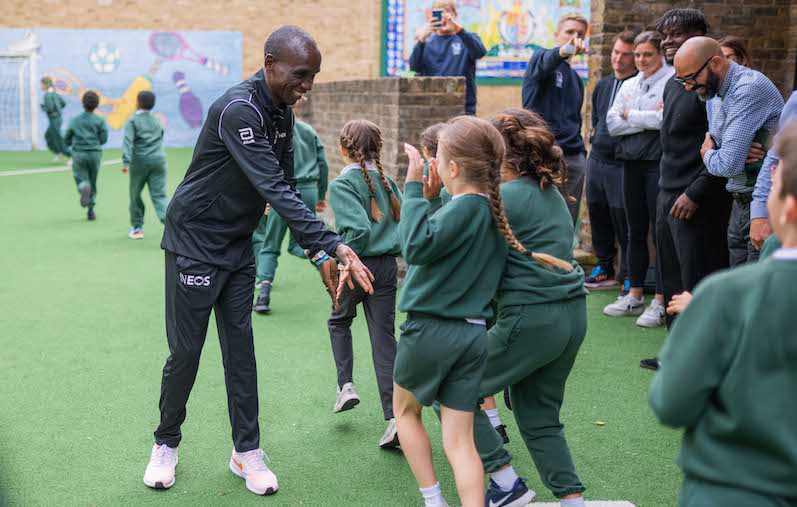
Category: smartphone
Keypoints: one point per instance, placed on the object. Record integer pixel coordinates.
(437, 16)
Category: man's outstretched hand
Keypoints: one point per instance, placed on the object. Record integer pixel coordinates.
(353, 271)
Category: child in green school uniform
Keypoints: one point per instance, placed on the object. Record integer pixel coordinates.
(143, 157)
(727, 371)
(86, 134)
(52, 106)
(367, 206)
(541, 322)
(311, 173)
(456, 256)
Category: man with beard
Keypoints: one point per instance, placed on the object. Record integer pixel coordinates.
(742, 105)
(692, 206)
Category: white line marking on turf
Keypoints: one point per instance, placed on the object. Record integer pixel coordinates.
(599, 503)
(51, 169)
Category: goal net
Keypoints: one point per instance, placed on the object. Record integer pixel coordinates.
(18, 101)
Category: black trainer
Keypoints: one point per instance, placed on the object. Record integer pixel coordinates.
(91, 215)
(650, 364)
(263, 299)
(501, 429)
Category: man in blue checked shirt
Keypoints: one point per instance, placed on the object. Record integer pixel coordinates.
(760, 229)
(742, 106)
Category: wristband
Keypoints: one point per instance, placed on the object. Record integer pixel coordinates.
(320, 258)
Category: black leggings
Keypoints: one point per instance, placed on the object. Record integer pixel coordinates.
(640, 189)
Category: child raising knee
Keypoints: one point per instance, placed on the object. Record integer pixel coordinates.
(367, 206)
(456, 257)
(86, 134)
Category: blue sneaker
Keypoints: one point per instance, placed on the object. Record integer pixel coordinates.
(520, 496)
(600, 277)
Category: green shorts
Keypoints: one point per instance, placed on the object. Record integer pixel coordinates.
(441, 360)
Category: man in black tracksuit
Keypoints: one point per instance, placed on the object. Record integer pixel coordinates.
(693, 206)
(243, 159)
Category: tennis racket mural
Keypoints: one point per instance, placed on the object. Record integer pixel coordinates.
(186, 70)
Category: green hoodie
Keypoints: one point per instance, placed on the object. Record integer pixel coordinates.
(86, 132)
(143, 142)
(728, 378)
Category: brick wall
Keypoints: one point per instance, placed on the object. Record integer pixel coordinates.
(401, 107)
(769, 28)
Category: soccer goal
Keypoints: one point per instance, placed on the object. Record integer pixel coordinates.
(19, 110)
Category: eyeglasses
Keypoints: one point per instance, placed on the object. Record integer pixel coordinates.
(691, 79)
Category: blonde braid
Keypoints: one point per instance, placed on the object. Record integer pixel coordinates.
(395, 206)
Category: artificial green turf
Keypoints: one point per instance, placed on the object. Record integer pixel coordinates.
(82, 345)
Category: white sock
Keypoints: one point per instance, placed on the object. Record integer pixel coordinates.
(505, 478)
(573, 502)
(495, 419)
(433, 497)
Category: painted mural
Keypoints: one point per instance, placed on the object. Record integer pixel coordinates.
(510, 29)
(187, 71)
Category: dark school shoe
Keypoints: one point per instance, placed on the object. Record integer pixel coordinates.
(501, 429)
(650, 364)
(91, 215)
(263, 299)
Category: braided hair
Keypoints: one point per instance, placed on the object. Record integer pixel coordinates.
(531, 148)
(477, 146)
(362, 140)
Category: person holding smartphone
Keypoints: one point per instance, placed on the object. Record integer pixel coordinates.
(444, 48)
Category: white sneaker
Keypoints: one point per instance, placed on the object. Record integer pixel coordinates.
(653, 316)
(390, 439)
(346, 399)
(160, 470)
(250, 467)
(625, 306)
(135, 233)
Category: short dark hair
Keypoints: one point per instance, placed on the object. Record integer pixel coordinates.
(686, 20)
(90, 101)
(651, 37)
(288, 36)
(627, 36)
(786, 148)
(146, 100)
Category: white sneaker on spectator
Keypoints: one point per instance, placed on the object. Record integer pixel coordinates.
(653, 316)
(625, 306)
(160, 470)
(346, 398)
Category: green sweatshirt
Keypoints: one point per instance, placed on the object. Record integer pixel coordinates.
(456, 256)
(143, 142)
(86, 132)
(53, 104)
(728, 377)
(350, 199)
(771, 244)
(309, 160)
(541, 222)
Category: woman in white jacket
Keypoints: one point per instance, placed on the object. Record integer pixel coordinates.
(635, 117)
